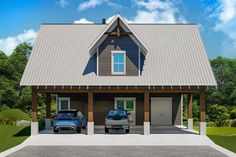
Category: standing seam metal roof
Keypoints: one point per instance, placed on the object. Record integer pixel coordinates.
(176, 57)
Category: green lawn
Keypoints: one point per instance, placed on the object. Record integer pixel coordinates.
(11, 136)
(223, 136)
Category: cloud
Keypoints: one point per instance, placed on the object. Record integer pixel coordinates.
(93, 3)
(157, 11)
(7, 45)
(225, 15)
(63, 3)
(154, 11)
(82, 20)
(150, 11)
(89, 4)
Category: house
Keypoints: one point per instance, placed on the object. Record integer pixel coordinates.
(143, 68)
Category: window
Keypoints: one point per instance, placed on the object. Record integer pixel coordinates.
(118, 62)
(129, 105)
(64, 103)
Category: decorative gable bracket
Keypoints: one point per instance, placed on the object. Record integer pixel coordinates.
(119, 22)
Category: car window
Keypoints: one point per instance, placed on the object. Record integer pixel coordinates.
(66, 114)
(121, 113)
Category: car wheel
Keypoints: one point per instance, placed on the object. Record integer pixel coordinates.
(127, 130)
(78, 129)
(55, 130)
(106, 130)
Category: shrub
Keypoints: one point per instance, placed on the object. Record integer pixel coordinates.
(218, 114)
(233, 114)
(211, 124)
(195, 109)
(4, 107)
(233, 123)
(226, 123)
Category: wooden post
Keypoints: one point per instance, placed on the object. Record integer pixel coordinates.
(34, 104)
(146, 106)
(48, 105)
(90, 106)
(190, 105)
(202, 106)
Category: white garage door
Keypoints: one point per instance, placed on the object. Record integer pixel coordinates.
(161, 111)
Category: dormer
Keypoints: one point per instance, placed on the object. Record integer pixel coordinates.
(118, 50)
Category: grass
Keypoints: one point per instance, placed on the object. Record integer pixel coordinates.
(13, 115)
(11, 136)
(223, 136)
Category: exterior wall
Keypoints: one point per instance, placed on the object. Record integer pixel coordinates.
(124, 43)
(78, 101)
(104, 102)
(176, 107)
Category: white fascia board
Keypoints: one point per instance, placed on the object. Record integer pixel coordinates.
(112, 23)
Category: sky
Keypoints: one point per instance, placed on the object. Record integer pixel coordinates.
(20, 20)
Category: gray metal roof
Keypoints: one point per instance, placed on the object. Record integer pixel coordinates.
(176, 57)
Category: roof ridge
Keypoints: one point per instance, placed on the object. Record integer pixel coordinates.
(128, 24)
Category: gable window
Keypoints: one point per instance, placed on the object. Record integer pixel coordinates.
(64, 103)
(118, 61)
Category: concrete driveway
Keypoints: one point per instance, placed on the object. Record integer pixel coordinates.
(168, 141)
(117, 151)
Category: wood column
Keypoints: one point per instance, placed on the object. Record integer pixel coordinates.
(146, 106)
(48, 105)
(34, 104)
(90, 106)
(202, 106)
(190, 105)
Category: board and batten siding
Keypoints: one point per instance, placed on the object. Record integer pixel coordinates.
(105, 102)
(124, 43)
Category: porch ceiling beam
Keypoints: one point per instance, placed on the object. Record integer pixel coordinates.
(120, 89)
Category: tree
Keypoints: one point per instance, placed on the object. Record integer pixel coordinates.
(225, 73)
(218, 114)
(11, 70)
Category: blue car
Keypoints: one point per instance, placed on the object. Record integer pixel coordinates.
(69, 119)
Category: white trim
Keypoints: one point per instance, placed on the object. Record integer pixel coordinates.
(64, 98)
(181, 108)
(139, 61)
(97, 63)
(125, 99)
(112, 62)
(91, 47)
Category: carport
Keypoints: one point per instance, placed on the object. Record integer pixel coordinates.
(144, 107)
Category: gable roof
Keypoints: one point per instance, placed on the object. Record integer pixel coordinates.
(110, 27)
(176, 57)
